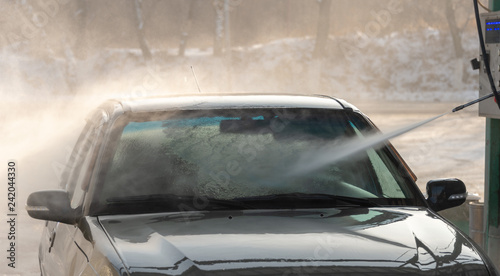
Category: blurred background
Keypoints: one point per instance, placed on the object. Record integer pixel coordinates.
(385, 49)
(399, 61)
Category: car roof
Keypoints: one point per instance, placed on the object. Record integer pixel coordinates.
(231, 101)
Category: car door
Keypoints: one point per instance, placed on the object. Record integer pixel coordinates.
(60, 252)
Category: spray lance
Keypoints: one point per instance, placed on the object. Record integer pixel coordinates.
(486, 60)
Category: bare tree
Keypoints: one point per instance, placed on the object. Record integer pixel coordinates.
(454, 30)
(186, 28)
(451, 11)
(219, 27)
(323, 28)
(81, 43)
(140, 30)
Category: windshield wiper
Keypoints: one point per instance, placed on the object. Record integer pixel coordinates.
(146, 198)
(173, 203)
(175, 200)
(364, 202)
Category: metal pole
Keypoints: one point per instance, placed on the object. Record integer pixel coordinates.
(492, 179)
(476, 222)
(492, 187)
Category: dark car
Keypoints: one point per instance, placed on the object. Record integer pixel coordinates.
(245, 185)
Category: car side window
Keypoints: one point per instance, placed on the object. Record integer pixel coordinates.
(386, 180)
(84, 160)
(389, 185)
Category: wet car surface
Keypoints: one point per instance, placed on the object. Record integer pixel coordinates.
(216, 185)
(332, 240)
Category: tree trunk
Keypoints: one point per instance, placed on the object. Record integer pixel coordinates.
(323, 28)
(455, 32)
(81, 45)
(140, 30)
(219, 27)
(460, 73)
(227, 29)
(186, 28)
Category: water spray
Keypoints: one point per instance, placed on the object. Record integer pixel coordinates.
(332, 153)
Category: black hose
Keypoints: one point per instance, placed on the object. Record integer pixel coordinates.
(460, 107)
(485, 56)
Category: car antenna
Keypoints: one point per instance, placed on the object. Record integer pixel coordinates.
(195, 78)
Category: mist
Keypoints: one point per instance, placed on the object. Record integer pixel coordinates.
(328, 154)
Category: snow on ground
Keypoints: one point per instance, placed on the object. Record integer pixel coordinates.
(406, 66)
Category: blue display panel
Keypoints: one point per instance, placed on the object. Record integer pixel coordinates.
(492, 31)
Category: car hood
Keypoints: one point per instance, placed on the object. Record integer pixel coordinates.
(350, 241)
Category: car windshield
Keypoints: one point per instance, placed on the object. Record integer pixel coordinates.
(244, 159)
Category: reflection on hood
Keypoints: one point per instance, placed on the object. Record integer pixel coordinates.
(351, 241)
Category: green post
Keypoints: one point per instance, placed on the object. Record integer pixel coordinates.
(492, 180)
(494, 5)
(492, 187)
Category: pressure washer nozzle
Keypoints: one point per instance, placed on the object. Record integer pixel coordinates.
(458, 108)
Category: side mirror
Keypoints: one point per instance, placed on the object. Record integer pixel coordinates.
(445, 193)
(53, 205)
